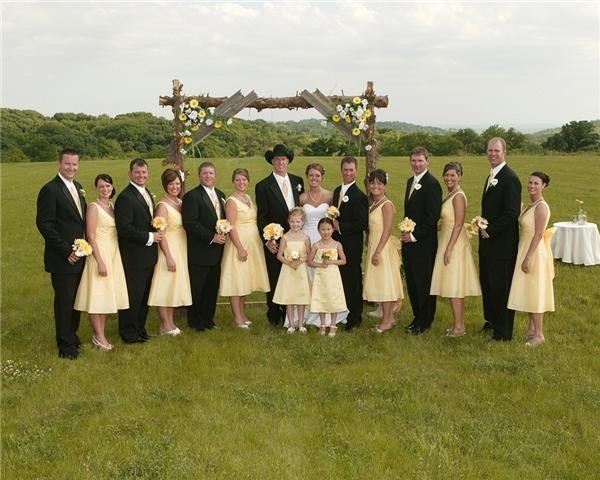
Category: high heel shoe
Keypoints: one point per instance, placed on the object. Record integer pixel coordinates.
(332, 331)
(323, 330)
(291, 330)
(98, 344)
(174, 332)
(243, 326)
(247, 322)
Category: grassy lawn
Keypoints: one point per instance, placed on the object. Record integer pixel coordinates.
(260, 404)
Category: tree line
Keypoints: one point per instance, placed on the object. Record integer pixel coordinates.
(28, 136)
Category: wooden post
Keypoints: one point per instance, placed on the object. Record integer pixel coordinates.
(372, 154)
(178, 158)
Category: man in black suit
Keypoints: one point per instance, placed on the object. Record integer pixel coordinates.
(60, 219)
(498, 243)
(349, 231)
(134, 209)
(202, 207)
(422, 204)
(276, 195)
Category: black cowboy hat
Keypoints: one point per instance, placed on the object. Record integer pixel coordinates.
(279, 150)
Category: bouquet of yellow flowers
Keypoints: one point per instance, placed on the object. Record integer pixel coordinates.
(273, 231)
(478, 223)
(223, 226)
(81, 247)
(159, 223)
(294, 255)
(328, 254)
(407, 225)
(333, 212)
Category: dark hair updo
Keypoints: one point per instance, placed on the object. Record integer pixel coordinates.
(379, 175)
(108, 179)
(542, 176)
(457, 167)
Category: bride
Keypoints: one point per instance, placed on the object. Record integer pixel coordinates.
(315, 201)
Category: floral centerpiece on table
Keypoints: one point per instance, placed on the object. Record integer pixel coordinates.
(81, 247)
(355, 114)
(478, 223)
(159, 223)
(581, 216)
(193, 116)
(223, 227)
(333, 212)
(407, 225)
(273, 231)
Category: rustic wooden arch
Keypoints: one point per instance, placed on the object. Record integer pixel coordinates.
(230, 106)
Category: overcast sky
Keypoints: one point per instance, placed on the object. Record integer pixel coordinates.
(527, 65)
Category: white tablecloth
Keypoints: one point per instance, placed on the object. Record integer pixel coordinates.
(578, 244)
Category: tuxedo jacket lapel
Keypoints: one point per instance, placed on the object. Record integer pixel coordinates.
(277, 191)
(70, 198)
(208, 202)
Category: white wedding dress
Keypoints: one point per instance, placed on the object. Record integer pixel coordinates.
(313, 215)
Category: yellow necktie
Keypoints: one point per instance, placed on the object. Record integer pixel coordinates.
(412, 187)
(490, 178)
(285, 189)
(146, 196)
(215, 202)
(76, 199)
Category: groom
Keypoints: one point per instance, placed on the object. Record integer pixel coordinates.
(275, 196)
(349, 231)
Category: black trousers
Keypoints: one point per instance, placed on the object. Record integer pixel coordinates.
(204, 282)
(132, 322)
(495, 276)
(66, 319)
(275, 312)
(351, 274)
(418, 271)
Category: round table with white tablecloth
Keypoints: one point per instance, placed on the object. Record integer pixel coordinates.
(576, 243)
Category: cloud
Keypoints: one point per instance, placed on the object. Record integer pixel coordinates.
(440, 63)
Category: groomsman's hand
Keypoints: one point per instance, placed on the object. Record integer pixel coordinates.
(405, 237)
(336, 225)
(219, 238)
(157, 236)
(73, 259)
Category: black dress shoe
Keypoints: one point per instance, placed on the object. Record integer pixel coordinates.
(69, 355)
(133, 339)
(499, 339)
(410, 327)
(487, 326)
(145, 337)
(416, 330)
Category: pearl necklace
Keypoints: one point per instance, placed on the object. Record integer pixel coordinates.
(378, 202)
(312, 198)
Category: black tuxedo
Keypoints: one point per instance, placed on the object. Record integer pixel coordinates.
(60, 223)
(204, 257)
(133, 220)
(272, 208)
(423, 206)
(353, 222)
(500, 206)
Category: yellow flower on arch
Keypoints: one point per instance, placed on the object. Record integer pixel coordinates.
(363, 118)
(218, 124)
(356, 101)
(202, 113)
(194, 128)
(348, 119)
(193, 103)
(182, 117)
(335, 118)
(368, 113)
(187, 140)
(356, 132)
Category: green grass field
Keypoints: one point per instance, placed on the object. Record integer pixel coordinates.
(260, 404)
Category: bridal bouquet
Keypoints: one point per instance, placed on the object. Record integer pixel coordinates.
(159, 223)
(81, 247)
(478, 223)
(294, 255)
(333, 212)
(223, 226)
(273, 231)
(407, 225)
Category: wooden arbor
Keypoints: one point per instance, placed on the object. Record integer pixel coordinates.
(228, 107)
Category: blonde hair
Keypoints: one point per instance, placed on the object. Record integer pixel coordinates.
(298, 211)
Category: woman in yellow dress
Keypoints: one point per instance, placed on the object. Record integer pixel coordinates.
(454, 273)
(531, 289)
(243, 268)
(382, 271)
(171, 281)
(102, 289)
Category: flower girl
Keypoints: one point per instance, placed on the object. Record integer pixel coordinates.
(293, 286)
(327, 295)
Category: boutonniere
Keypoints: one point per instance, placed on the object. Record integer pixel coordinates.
(223, 200)
(82, 192)
(494, 182)
(153, 197)
(345, 199)
(299, 187)
(418, 186)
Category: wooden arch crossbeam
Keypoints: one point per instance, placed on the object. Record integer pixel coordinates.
(228, 107)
